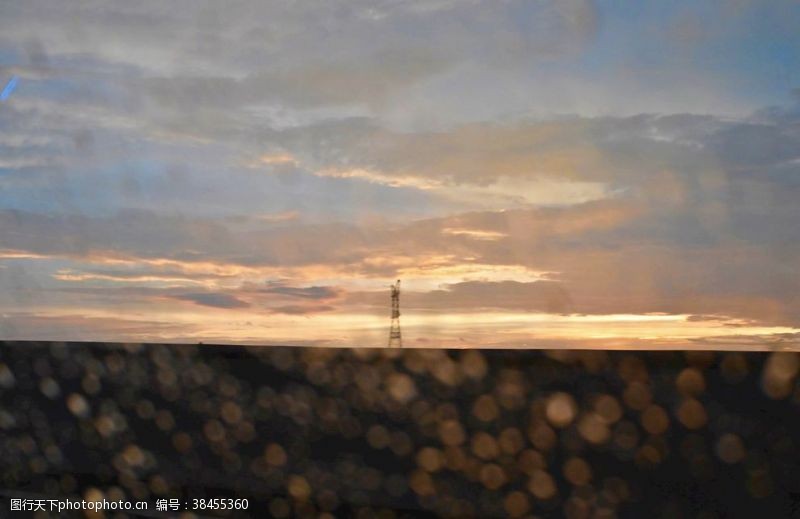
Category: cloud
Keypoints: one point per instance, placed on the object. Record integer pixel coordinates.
(213, 300)
(282, 289)
(479, 296)
(296, 53)
(475, 234)
(302, 309)
(608, 150)
(77, 327)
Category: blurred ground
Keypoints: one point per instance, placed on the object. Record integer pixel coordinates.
(404, 433)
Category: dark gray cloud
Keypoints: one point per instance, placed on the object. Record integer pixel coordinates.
(283, 289)
(301, 309)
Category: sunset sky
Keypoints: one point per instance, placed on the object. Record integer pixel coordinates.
(538, 173)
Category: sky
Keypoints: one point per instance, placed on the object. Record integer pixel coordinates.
(538, 173)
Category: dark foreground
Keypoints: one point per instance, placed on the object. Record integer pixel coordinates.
(412, 433)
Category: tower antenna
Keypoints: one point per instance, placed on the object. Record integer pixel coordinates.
(395, 339)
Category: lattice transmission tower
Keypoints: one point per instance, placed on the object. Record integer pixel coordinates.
(395, 339)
